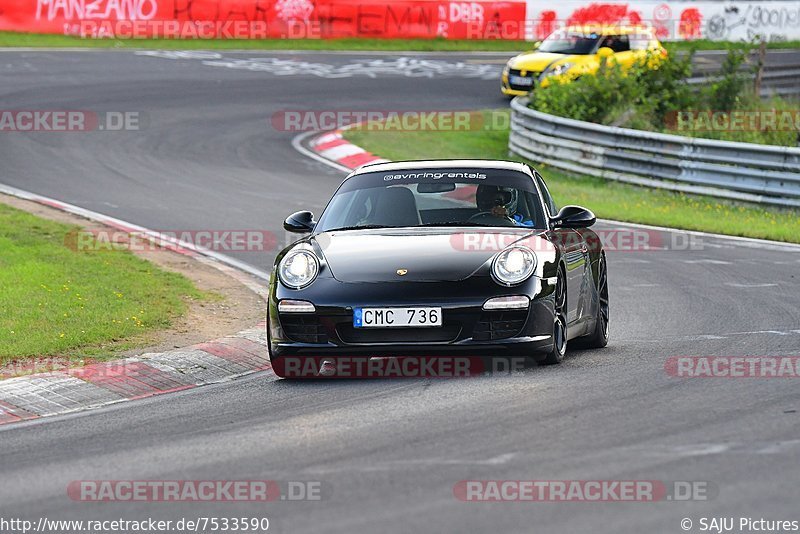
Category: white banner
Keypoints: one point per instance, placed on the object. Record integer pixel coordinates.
(673, 21)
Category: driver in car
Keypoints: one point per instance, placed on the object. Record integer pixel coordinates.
(501, 202)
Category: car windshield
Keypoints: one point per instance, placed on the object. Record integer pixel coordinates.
(570, 43)
(436, 197)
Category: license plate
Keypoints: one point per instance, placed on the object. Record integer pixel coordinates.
(396, 317)
(520, 80)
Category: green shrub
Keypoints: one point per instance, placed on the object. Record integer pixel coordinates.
(730, 89)
(639, 97)
(589, 98)
(646, 98)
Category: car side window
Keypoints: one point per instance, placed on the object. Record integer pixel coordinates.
(548, 199)
(620, 43)
(641, 42)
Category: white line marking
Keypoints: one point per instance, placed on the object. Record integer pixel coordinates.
(755, 243)
(779, 447)
(735, 447)
(700, 449)
(747, 286)
(773, 332)
(709, 261)
(721, 335)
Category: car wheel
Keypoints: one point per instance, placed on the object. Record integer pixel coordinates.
(556, 355)
(599, 338)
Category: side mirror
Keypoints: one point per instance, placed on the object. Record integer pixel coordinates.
(573, 217)
(536, 45)
(301, 222)
(605, 52)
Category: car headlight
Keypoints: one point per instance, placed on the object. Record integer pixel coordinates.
(298, 268)
(557, 70)
(514, 265)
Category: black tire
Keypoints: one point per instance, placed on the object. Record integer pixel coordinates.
(556, 355)
(599, 338)
(269, 338)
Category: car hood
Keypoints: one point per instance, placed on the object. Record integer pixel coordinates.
(537, 61)
(426, 254)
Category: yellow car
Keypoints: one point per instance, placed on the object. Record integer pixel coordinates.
(573, 52)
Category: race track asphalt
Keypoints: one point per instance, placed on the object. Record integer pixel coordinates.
(389, 452)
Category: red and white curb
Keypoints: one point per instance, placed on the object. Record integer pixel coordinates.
(100, 384)
(332, 146)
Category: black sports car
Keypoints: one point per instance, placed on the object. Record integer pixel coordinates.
(438, 257)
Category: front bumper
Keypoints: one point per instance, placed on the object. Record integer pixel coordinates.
(509, 89)
(466, 328)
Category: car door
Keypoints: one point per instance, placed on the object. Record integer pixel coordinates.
(576, 258)
(576, 255)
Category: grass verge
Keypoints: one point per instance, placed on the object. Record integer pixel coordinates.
(609, 200)
(705, 44)
(56, 301)
(35, 40)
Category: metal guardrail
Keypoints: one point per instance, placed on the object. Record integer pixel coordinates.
(781, 80)
(780, 69)
(764, 174)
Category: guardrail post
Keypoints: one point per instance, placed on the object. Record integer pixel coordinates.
(762, 54)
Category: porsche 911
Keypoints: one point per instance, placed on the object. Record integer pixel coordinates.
(439, 258)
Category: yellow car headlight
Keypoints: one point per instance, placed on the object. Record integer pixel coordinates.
(557, 70)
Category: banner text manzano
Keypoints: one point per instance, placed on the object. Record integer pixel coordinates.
(777, 20)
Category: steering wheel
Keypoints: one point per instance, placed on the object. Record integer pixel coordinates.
(488, 217)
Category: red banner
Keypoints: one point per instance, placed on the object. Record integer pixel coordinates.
(292, 19)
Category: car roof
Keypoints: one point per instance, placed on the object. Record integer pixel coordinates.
(611, 29)
(442, 164)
